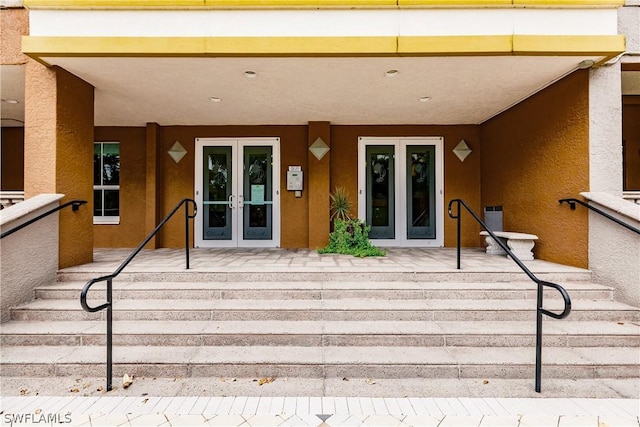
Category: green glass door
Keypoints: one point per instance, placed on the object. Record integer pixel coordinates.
(421, 191)
(217, 197)
(257, 199)
(380, 183)
(237, 191)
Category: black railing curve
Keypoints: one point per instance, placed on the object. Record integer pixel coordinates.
(75, 205)
(541, 283)
(109, 278)
(572, 204)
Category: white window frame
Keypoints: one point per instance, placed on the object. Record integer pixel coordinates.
(106, 220)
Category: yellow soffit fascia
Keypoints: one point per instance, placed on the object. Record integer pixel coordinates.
(37, 47)
(308, 4)
(606, 47)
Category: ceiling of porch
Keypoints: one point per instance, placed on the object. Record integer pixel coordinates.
(342, 90)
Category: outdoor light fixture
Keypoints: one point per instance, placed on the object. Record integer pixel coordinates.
(319, 148)
(177, 152)
(10, 101)
(215, 99)
(462, 150)
(425, 99)
(250, 74)
(587, 63)
(391, 73)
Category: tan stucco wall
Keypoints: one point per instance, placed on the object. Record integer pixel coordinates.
(535, 154)
(131, 230)
(12, 168)
(59, 151)
(319, 180)
(75, 166)
(175, 181)
(461, 179)
(14, 23)
(631, 136)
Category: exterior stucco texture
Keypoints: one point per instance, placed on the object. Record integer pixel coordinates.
(535, 154)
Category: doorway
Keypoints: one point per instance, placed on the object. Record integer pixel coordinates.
(237, 189)
(401, 190)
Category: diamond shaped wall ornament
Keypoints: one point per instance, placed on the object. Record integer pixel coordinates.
(177, 152)
(319, 148)
(462, 150)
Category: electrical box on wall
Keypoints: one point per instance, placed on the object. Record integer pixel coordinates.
(295, 179)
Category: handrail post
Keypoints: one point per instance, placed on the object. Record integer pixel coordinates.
(572, 204)
(186, 231)
(540, 294)
(108, 305)
(538, 386)
(109, 334)
(458, 232)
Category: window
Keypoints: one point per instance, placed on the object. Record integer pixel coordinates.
(106, 183)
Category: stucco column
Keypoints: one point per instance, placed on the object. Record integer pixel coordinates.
(153, 190)
(58, 152)
(319, 181)
(605, 130)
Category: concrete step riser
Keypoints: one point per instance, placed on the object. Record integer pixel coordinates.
(292, 276)
(311, 340)
(255, 370)
(325, 294)
(330, 315)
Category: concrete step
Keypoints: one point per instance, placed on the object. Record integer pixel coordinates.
(325, 290)
(338, 309)
(337, 274)
(321, 362)
(564, 333)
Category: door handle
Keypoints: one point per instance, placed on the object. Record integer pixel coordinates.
(231, 201)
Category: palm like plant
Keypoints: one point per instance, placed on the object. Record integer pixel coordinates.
(340, 204)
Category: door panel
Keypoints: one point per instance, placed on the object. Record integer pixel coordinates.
(420, 186)
(257, 201)
(380, 191)
(217, 193)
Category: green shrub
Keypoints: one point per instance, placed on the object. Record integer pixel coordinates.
(351, 237)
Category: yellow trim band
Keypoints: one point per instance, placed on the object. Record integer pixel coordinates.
(455, 45)
(208, 46)
(605, 47)
(308, 4)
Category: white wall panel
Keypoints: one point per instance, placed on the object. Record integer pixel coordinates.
(310, 23)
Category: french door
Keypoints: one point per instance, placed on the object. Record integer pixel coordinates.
(237, 189)
(401, 190)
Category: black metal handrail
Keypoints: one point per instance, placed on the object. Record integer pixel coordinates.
(109, 278)
(541, 283)
(572, 204)
(75, 205)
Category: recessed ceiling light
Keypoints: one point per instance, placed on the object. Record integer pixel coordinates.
(250, 74)
(391, 73)
(215, 99)
(10, 101)
(425, 99)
